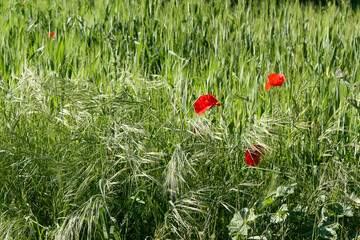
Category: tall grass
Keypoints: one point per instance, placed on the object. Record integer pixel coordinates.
(97, 123)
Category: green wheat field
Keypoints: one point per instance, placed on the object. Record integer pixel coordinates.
(97, 118)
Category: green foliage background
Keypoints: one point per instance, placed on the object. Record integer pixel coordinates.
(97, 123)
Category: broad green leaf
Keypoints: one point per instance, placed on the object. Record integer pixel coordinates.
(354, 198)
(325, 230)
(281, 215)
(266, 202)
(283, 209)
(257, 238)
(239, 223)
(283, 191)
(341, 210)
(328, 231)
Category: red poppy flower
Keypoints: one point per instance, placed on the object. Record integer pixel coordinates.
(204, 103)
(52, 35)
(253, 154)
(275, 80)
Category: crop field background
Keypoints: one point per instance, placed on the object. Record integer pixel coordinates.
(96, 121)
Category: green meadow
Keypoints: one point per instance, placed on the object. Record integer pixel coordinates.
(96, 123)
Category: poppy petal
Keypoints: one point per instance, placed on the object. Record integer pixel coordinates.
(253, 154)
(267, 86)
(273, 77)
(204, 103)
(281, 79)
(251, 159)
(52, 34)
(276, 79)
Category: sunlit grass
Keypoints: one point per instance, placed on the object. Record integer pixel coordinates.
(97, 123)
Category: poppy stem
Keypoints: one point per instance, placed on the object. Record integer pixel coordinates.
(278, 97)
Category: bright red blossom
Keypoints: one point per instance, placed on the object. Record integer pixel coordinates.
(275, 80)
(52, 35)
(253, 154)
(204, 103)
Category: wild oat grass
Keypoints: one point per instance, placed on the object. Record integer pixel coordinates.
(97, 123)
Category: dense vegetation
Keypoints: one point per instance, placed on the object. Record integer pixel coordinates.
(96, 124)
